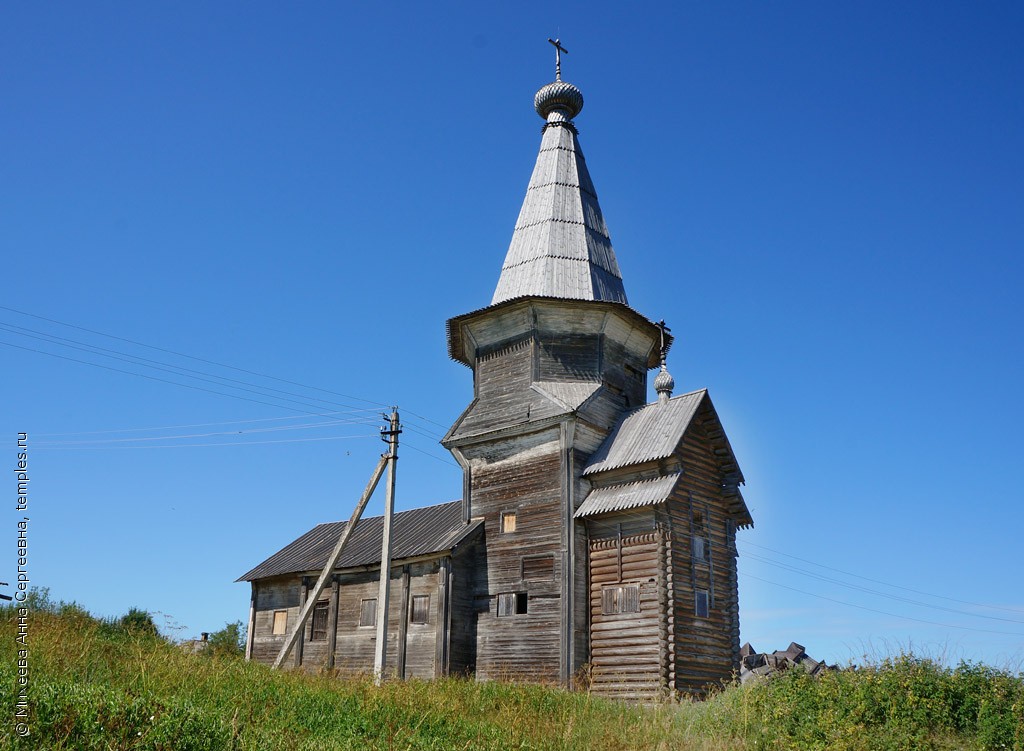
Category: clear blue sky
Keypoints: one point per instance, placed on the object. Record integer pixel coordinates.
(824, 201)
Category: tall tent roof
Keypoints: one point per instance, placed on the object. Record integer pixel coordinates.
(560, 246)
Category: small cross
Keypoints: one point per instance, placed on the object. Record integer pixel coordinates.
(559, 49)
(664, 330)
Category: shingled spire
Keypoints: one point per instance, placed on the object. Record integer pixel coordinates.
(560, 247)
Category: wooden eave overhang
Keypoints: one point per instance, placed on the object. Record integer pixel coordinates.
(462, 348)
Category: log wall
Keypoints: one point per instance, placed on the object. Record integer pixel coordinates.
(706, 648)
(628, 650)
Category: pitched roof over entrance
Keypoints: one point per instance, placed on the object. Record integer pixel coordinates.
(560, 247)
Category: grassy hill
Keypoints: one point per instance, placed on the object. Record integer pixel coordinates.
(97, 685)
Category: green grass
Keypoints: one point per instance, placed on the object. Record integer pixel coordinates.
(102, 686)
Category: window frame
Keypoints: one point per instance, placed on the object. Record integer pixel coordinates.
(424, 610)
(284, 623)
(511, 604)
(616, 601)
(503, 527)
(698, 596)
(321, 612)
(364, 612)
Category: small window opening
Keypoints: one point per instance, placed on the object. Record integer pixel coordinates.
(701, 549)
(624, 599)
(319, 632)
(538, 567)
(702, 603)
(420, 609)
(368, 612)
(511, 603)
(508, 521)
(280, 622)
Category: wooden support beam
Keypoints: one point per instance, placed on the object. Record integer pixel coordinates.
(332, 621)
(251, 635)
(300, 642)
(332, 561)
(403, 625)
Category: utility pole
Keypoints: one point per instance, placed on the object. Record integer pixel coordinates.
(380, 656)
(332, 561)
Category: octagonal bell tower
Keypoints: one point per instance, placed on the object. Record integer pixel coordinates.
(557, 358)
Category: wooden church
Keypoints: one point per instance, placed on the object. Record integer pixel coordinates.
(595, 541)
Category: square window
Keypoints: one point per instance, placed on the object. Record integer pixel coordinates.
(538, 567)
(368, 612)
(701, 605)
(508, 521)
(320, 611)
(511, 603)
(280, 622)
(420, 609)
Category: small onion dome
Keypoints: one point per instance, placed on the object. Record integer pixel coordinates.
(663, 384)
(560, 97)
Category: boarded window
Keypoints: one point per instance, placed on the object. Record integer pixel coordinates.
(420, 609)
(508, 521)
(624, 599)
(511, 603)
(368, 612)
(701, 608)
(319, 632)
(701, 549)
(280, 622)
(539, 567)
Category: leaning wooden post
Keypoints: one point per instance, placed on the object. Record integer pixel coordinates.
(380, 655)
(332, 561)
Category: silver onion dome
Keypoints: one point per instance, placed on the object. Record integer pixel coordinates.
(664, 383)
(560, 97)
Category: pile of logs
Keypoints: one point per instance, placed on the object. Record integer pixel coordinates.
(762, 664)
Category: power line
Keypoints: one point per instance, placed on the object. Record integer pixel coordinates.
(190, 357)
(897, 598)
(408, 445)
(149, 377)
(745, 543)
(167, 367)
(882, 612)
(209, 435)
(203, 445)
(201, 424)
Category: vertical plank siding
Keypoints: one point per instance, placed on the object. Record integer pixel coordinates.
(520, 475)
(354, 644)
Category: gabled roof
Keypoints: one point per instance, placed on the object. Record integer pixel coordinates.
(628, 495)
(560, 246)
(651, 433)
(646, 434)
(419, 531)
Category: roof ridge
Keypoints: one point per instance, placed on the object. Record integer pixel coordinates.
(397, 513)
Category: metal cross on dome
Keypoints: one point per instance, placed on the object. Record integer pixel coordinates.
(559, 49)
(664, 330)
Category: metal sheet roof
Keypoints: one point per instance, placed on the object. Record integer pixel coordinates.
(628, 495)
(646, 434)
(415, 532)
(560, 246)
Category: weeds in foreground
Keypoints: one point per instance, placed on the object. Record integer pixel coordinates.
(96, 685)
